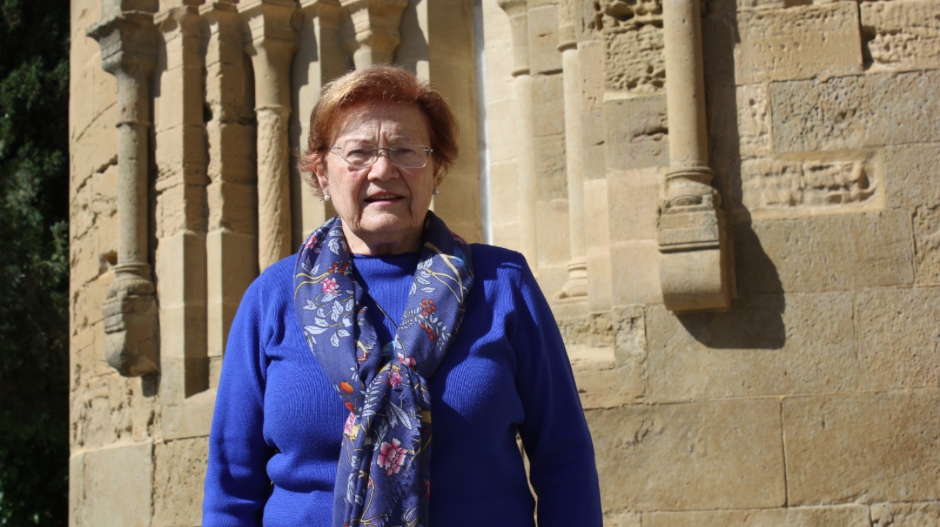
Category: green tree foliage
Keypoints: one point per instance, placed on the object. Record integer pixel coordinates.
(34, 69)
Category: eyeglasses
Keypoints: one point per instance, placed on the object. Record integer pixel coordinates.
(363, 155)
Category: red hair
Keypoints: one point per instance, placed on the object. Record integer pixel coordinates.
(379, 84)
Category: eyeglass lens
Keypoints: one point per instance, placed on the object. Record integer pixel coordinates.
(405, 155)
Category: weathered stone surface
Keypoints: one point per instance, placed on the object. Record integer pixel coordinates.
(764, 346)
(905, 514)
(551, 167)
(901, 35)
(623, 519)
(117, 486)
(552, 228)
(638, 282)
(608, 356)
(800, 185)
(927, 245)
(636, 132)
(855, 112)
(107, 408)
(845, 516)
(824, 253)
(179, 470)
(633, 59)
(911, 173)
(543, 39)
(798, 43)
(548, 106)
(678, 456)
(898, 338)
(865, 448)
(753, 110)
(633, 204)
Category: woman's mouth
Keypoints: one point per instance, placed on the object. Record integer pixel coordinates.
(383, 198)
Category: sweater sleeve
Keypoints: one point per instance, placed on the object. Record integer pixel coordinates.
(237, 484)
(554, 434)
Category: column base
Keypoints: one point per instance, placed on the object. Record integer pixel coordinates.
(130, 322)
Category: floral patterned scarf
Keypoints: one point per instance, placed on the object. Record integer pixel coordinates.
(383, 473)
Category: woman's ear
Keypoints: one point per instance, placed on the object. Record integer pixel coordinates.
(319, 171)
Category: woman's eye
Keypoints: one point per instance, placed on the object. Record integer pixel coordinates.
(404, 150)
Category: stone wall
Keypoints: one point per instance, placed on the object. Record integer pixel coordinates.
(812, 399)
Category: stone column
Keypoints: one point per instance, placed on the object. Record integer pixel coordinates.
(128, 50)
(528, 189)
(232, 199)
(695, 272)
(577, 283)
(181, 212)
(271, 39)
(372, 32)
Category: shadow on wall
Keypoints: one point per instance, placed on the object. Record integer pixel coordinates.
(754, 322)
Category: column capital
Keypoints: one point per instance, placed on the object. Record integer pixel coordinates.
(517, 12)
(128, 41)
(372, 31)
(270, 22)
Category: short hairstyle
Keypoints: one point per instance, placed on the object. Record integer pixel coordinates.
(379, 84)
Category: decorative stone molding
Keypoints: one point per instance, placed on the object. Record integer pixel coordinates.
(372, 32)
(695, 271)
(525, 160)
(576, 287)
(271, 40)
(128, 51)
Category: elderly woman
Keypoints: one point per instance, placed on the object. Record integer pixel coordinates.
(380, 376)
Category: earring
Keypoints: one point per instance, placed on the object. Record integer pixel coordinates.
(436, 192)
(326, 196)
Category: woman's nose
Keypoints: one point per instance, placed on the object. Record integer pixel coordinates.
(382, 168)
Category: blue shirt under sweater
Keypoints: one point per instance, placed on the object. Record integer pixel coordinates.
(278, 424)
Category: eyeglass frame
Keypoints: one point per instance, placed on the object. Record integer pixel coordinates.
(375, 151)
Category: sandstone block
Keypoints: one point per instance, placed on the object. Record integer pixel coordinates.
(927, 244)
(622, 519)
(233, 207)
(179, 471)
(911, 173)
(865, 448)
(553, 239)
(594, 145)
(504, 191)
(846, 516)
(548, 104)
(502, 125)
(798, 43)
(901, 35)
(714, 455)
(633, 59)
(905, 514)
(824, 253)
(633, 204)
(599, 278)
(798, 185)
(638, 282)
(596, 214)
(636, 133)
(117, 486)
(543, 39)
(763, 346)
(753, 111)
(608, 356)
(551, 167)
(719, 38)
(855, 112)
(897, 338)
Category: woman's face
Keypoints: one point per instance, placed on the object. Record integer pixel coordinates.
(383, 206)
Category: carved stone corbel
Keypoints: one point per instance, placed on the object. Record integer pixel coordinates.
(576, 287)
(695, 269)
(128, 51)
(517, 10)
(271, 38)
(372, 31)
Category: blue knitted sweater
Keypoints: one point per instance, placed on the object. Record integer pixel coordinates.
(277, 427)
